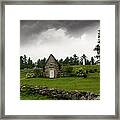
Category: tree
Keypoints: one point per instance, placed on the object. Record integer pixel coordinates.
(83, 59)
(38, 63)
(92, 60)
(25, 61)
(75, 59)
(71, 61)
(43, 61)
(97, 48)
(66, 61)
(21, 62)
(87, 62)
(29, 63)
(61, 61)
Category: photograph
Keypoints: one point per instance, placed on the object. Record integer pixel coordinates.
(59, 59)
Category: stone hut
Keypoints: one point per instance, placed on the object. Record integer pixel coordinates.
(52, 67)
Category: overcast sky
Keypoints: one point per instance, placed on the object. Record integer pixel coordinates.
(62, 38)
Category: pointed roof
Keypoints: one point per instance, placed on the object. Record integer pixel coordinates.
(53, 58)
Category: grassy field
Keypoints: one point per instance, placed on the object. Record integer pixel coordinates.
(91, 83)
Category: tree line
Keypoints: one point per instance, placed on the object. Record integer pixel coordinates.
(27, 62)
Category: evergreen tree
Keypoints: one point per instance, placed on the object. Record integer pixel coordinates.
(97, 48)
(83, 59)
(71, 61)
(61, 61)
(87, 62)
(25, 61)
(38, 63)
(43, 61)
(30, 63)
(66, 61)
(21, 62)
(92, 61)
(75, 59)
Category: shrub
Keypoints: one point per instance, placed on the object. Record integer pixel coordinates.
(30, 75)
(38, 72)
(34, 73)
(95, 70)
(67, 71)
(91, 68)
(81, 73)
(91, 71)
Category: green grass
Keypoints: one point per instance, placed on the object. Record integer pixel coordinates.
(66, 83)
(91, 83)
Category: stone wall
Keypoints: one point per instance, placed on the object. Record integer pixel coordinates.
(58, 94)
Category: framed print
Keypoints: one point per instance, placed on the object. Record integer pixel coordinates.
(60, 60)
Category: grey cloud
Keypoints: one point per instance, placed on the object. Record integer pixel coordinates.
(29, 29)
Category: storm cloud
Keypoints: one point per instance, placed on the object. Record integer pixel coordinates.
(31, 29)
(40, 38)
